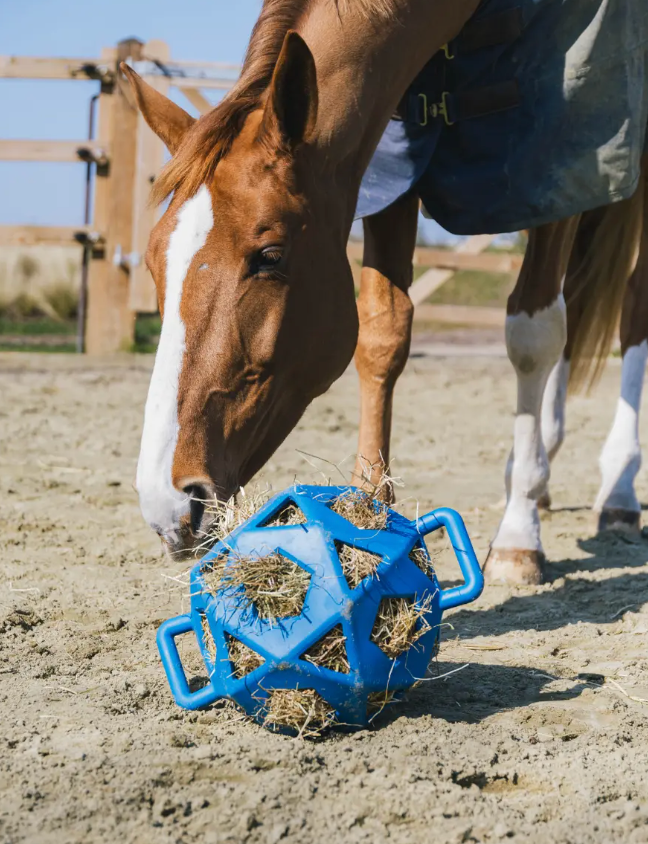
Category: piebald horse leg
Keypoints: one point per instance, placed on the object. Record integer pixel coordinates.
(555, 395)
(385, 312)
(536, 333)
(617, 506)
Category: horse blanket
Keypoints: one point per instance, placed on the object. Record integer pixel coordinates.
(536, 111)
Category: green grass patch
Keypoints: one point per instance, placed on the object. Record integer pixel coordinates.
(147, 333)
(36, 326)
(475, 288)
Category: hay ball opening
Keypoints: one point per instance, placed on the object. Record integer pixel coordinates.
(419, 556)
(399, 624)
(363, 511)
(357, 564)
(242, 658)
(302, 710)
(290, 514)
(273, 584)
(330, 652)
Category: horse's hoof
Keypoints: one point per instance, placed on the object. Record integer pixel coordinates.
(544, 502)
(514, 566)
(628, 521)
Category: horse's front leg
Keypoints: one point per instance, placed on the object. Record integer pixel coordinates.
(536, 332)
(617, 506)
(385, 312)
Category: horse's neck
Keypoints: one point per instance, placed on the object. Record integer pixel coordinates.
(364, 65)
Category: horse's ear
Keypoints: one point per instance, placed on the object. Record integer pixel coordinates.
(291, 109)
(169, 122)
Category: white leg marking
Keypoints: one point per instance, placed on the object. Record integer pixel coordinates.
(162, 505)
(534, 346)
(553, 408)
(621, 456)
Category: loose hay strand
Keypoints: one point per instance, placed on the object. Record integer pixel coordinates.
(400, 623)
(302, 710)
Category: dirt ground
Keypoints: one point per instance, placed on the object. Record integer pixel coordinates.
(525, 741)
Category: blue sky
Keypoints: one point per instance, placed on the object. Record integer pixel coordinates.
(52, 194)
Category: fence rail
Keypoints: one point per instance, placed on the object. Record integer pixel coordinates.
(124, 159)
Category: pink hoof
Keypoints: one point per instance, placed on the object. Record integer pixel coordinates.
(514, 566)
(627, 521)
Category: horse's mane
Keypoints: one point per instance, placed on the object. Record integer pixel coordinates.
(211, 137)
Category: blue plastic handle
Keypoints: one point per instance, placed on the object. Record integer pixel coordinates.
(464, 552)
(172, 663)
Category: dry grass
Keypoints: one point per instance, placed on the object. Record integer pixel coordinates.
(288, 515)
(208, 639)
(224, 517)
(274, 584)
(243, 659)
(420, 558)
(361, 510)
(356, 563)
(330, 652)
(302, 710)
(399, 624)
(377, 701)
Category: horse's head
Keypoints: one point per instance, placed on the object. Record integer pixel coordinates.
(254, 288)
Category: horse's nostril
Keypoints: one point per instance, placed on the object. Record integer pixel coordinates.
(199, 495)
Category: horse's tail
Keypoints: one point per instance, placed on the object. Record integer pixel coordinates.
(604, 254)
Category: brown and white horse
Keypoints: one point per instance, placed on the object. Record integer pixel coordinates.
(259, 313)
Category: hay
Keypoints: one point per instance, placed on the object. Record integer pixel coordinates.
(377, 701)
(302, 710)
(288, 515)
(420, 558)
(356, 563)
(273, 584)
(208, 639)
(399, 624)
(224, 517)
(243, 659)
(361, 510)
(330, 652)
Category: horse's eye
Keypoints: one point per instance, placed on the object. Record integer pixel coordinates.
(268, 259)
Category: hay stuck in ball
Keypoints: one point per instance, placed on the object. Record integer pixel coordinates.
(273, 584)
(356, 563)
(420, 558)
(330, 652)
(242, 658)
(288, 515)
(302, 710)
(399, 624)
(363, 511)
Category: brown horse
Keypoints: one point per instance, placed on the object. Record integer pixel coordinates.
(259, 314)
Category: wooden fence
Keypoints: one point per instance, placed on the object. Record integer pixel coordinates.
(123, 160)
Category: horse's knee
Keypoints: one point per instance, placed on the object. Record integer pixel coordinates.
(385, 314)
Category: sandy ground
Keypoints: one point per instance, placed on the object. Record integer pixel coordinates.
(523, 743)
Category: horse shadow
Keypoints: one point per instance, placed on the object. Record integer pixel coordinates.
(475, 693)
(572, 599)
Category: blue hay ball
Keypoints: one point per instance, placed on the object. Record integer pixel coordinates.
(330, 603)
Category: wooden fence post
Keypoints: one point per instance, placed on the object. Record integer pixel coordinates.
(150, 158)
(110, 324)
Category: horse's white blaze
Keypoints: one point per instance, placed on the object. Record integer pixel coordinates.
(553, 408)
(620, 459)
(534, 346)
(162, 505)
